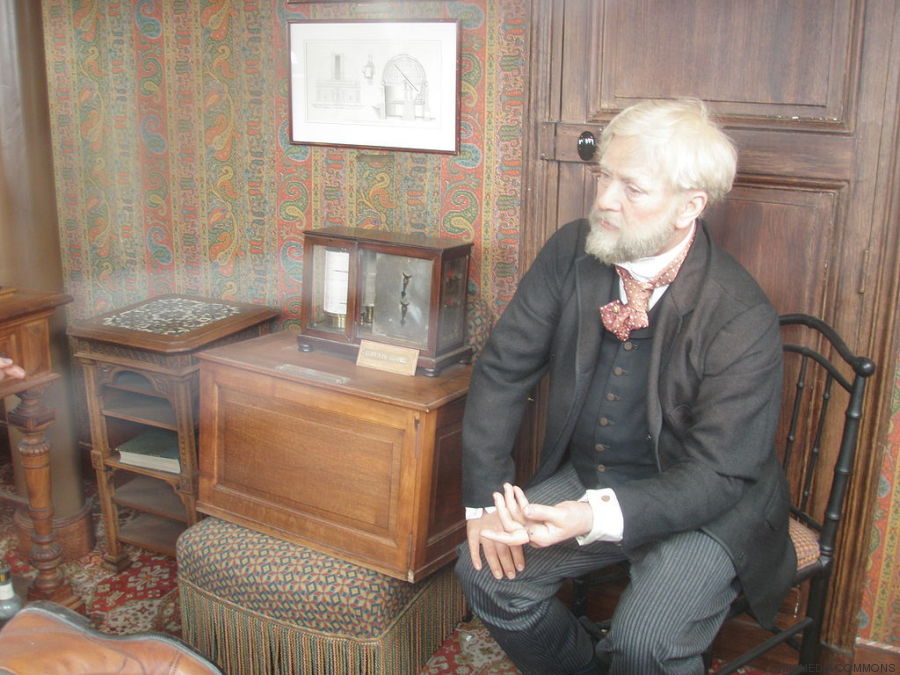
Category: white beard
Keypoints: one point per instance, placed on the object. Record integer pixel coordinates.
(625, 245)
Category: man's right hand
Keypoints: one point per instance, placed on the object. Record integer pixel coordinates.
(502, 559)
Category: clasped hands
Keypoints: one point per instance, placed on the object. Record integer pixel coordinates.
(501, 535)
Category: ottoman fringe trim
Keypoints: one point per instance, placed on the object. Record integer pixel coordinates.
(244, 642)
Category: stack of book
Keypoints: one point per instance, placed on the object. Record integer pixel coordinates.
(153, 449)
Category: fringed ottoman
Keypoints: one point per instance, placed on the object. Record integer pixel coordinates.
(255, 604)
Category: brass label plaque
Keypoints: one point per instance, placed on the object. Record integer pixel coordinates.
(390, 358)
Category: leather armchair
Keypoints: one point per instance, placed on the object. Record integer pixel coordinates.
(50, 639)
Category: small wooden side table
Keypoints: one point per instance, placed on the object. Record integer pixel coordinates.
(25, 338)
(141, 381)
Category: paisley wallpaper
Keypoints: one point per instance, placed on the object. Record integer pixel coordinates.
(174, 173)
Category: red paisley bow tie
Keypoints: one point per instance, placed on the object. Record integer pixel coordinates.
(620, 319)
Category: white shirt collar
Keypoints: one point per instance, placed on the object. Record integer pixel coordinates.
(644, 269)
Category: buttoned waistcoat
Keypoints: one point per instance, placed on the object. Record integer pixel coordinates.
(713, 402)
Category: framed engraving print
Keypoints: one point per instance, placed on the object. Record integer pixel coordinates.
(375, 84)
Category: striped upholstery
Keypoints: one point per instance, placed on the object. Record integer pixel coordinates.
(257, 604)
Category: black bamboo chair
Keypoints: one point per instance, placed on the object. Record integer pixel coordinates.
(823, 380)
(824, 389)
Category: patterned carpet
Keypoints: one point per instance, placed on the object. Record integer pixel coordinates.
(144, 597)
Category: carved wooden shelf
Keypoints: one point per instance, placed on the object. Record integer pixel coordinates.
(140, 365)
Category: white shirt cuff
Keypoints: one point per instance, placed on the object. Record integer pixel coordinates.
(609, 524)
(473, 512)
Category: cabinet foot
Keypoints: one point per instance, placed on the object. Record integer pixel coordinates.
(116, 563)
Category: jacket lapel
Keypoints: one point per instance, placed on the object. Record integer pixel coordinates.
(593, 286)
(675, 305)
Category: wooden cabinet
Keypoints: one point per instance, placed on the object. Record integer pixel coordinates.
(140, 378)
(359, 463)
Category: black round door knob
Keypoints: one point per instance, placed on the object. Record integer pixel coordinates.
(587, 145)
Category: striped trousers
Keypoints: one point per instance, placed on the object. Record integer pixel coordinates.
(679, 592)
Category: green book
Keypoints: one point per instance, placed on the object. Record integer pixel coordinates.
(153, 449)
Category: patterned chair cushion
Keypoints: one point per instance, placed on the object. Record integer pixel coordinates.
(806, 544)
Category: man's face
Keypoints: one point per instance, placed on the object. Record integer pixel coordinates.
(636, 212)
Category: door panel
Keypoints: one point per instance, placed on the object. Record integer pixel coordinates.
(781, 90)
(808, 90)
(783, 236)
(752, 58)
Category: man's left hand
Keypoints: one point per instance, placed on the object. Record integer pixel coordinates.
(537, 524)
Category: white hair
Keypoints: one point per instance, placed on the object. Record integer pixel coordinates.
(693, 152)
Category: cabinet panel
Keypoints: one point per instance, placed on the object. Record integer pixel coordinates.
(330, 465)
(446, 487)
(309, 447)
(9, 345)
(27, 343)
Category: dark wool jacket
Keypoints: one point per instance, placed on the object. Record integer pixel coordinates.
(713, 402)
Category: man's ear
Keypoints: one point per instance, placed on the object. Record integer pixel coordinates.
(695, 202)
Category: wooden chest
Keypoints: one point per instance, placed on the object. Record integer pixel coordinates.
(358, 463)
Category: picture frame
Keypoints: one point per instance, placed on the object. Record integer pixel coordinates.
(375, 84)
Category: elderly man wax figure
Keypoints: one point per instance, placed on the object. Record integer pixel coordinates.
(661, 416)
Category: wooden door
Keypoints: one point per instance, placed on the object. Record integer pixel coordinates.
(808, 90)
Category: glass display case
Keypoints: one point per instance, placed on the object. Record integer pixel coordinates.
(402, 290)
